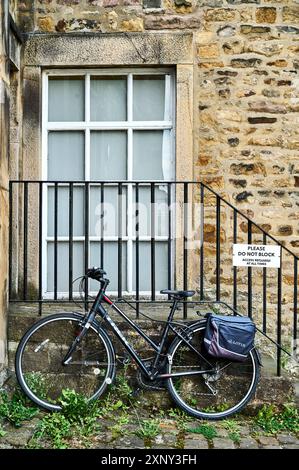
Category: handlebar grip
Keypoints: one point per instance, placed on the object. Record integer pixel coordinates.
(95, 273)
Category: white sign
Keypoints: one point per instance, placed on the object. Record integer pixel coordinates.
(258, 256)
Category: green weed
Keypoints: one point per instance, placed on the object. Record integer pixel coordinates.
(233, 430)
(181, 418)
(207, 430)
(273, 420)
(16, 409)
(2, 432)
(148, 429)
(217, 408)
(78, 417)
(55, 427)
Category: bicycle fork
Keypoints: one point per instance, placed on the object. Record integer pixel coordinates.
(68, 357)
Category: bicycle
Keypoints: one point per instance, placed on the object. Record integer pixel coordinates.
(74, 351)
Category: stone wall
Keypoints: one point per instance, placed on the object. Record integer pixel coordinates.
(246, 112)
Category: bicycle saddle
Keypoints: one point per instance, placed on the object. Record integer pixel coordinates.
(178, 293)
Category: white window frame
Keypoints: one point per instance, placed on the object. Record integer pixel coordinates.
(87, 126)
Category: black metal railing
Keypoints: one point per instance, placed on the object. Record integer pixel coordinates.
(165, 234)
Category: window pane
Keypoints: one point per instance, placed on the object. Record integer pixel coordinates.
(147, 155)
(108, 155)
(161, 251)
(110, 264)
(109, 210)
(63, 265)
(161, 210)
(108, 98)
(66, 99)
(148, 98)
(63, 212)
(66, 156)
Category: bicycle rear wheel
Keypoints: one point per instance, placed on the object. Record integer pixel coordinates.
(213, 395)
(39, 368)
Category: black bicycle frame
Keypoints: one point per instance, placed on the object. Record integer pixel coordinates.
(97, 308)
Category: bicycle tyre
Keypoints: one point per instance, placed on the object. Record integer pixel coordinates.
(44, 337)
(212, 411)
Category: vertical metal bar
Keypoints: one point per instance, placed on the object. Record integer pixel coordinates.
(86, 241)
(71, 226)
(235, 269)
(249, 276)
(217, 248)
(264, 291)
(25, 242)
(201, 256)
(55, 238)
(40, 248)
(185, 252)
(102, 225)
(169, 270)
(279, 289)
(119, 240)
(137, 248)
(153, 255)
(295, 306)
(10, 240)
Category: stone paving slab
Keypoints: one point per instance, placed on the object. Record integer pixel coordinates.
(287, 439)
(267, 441)
(221, 443)
(248, 443)
(196, 444)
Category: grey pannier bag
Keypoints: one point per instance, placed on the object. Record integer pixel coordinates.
(229, 337)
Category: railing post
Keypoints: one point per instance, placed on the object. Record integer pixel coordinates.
(55, 238)
(71, 195)
(185, 253)
(169, 274)
(295, 319)
(235, 269)
(279, 297)
(25, 242)
(264, 292)
(137, 248)
(10, 241)
(119, 241)
(102, 225)
(86, 242)
(201, 256)
(249, 270)
(40, 248)
(153, 254)
(218, 248)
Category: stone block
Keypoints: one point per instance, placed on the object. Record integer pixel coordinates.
(268, 441)
(46, 24)
(221, 14)
(265, 15)
(244, 63)
(198, 442)
(208, 51)
(221, 443)
(290, 14)
(248, 443)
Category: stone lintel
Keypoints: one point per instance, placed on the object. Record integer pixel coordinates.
(82, 50)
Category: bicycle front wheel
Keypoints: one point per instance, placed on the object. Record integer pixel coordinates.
(222, 391)
(39, 360)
